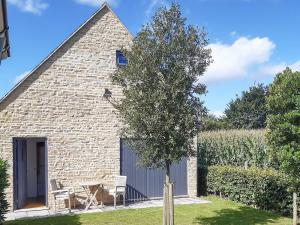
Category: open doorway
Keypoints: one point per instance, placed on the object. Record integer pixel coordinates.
(30, 172)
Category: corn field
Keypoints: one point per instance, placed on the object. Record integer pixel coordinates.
(233, 147)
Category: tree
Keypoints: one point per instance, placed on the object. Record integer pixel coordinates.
(210, 122)
(249, 110)
(161, 93)
(283, 123)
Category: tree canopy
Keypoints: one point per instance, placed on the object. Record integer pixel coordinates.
(249, 110)
(283, 122)
(211, 122)
(161, 89)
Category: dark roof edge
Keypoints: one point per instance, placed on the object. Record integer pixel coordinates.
(4, 6)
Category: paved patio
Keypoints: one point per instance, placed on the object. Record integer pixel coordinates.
(44, 212)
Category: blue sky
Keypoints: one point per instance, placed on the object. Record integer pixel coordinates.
(251, 40)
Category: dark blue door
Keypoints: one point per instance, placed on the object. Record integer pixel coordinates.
(144, 183)
(20, 172)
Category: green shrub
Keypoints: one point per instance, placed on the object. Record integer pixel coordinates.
(263, 188)
(283, 123)
(3, 185)
(202, 181)
(232, 147)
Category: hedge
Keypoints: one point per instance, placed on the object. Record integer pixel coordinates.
(262, 188)
(233, 147)
(3, 185)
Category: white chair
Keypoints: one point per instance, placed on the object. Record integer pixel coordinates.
(62, 194)
(119, 189)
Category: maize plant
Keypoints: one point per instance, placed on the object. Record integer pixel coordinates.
(233, 147)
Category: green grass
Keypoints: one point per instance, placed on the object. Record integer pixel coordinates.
(219, 212)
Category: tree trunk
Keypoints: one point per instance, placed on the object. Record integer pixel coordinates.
(168, 208)
(295, 209)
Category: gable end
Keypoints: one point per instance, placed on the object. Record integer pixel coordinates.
(105, 7)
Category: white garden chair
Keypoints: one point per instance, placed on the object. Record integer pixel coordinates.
(119, 189)
(62, 194)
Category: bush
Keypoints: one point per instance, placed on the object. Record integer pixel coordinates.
(248, 111)
(3, 185)
(232, 147)
(202, 181)
(263, 188)
(210, 122)
(283, 130)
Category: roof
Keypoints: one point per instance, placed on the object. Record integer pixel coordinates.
(4, 40)
(104, 5)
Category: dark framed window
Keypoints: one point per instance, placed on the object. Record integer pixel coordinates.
(120, 58)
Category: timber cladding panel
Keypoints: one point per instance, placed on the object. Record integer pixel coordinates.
(62, 100)
(143, 183)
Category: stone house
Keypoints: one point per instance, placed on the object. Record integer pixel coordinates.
(56, 123)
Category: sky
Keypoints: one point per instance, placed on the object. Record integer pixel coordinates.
(251, 40)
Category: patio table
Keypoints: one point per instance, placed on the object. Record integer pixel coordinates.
(91, 189)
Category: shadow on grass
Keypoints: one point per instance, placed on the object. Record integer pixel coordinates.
(242, 215)
(55, 220)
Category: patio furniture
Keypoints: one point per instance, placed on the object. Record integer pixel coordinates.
(62, 194)
(91, 189)
(119, 189)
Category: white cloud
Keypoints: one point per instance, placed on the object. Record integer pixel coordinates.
(20, 77)
(218, 114)
(295, 66)
(31, 6)
(97, 3)
(277, 68)
(271, 69)
(233, 34)
(153, 4)
(235, 60)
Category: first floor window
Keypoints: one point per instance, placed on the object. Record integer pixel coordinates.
(121, 60)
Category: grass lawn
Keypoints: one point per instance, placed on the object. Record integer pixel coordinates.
(219, 212)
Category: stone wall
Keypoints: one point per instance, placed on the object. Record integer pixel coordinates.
(192, 173)
(62, 100)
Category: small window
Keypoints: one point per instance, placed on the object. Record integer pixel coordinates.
(121, 60)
